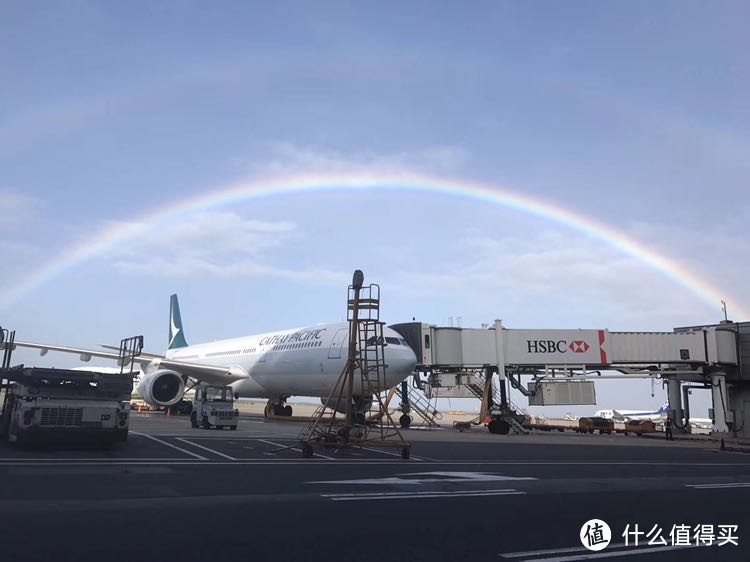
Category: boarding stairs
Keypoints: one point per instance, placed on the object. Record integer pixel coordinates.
(420, 405)
(504, 414)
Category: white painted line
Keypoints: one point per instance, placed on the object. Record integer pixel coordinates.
(556, 550)
(196, 455)
(294, 449)
(9, 460)
(442, 477)
(234, 437)
(206, 449)
(414, 496)
(411, 493)
(611, 554)
(719, 485)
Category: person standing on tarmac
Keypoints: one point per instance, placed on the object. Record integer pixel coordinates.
(668, 429)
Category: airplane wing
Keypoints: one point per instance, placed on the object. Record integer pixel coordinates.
(205, 373)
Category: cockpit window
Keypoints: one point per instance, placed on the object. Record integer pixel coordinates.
(393, 341)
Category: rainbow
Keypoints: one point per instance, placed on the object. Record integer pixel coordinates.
(113, 235)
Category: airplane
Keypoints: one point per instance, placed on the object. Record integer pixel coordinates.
(304, 361)
(625, 415)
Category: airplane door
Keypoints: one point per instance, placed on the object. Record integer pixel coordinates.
(337, 343)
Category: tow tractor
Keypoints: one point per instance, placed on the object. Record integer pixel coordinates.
(213, 406)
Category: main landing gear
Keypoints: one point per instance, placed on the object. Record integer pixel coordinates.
(278, 409)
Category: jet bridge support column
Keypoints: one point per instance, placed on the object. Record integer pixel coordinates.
(675, 405)
(719, 397)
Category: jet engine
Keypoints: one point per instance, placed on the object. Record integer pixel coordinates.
(161, 388)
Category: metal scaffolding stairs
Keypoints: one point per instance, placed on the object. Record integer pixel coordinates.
(419, 404)
(505, 415)
(359, 386)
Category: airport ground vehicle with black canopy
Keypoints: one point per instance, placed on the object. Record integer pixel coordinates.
(42, 405)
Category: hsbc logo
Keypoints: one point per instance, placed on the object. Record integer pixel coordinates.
(556, 346)
(579, 347)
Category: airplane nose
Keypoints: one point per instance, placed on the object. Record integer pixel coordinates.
(401, 363)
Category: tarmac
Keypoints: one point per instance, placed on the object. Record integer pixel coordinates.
(175, 493)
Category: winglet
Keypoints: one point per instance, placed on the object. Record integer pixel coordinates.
(176, 333)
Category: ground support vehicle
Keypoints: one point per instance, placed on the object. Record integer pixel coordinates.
(589, 425)
(213, 406)
(60, 405)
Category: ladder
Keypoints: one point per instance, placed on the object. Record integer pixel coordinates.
(359, 385)
(305, 432)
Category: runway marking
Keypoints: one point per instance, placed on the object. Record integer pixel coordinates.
(295, 449)
(587, 555)
(465, 477)
(206, 449)
(420, 495)
(719, 485)
(196, 455)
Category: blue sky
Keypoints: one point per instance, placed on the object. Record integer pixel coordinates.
(633, 113)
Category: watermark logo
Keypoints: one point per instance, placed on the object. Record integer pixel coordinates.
(595, 534)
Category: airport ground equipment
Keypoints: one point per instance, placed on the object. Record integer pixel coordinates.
(413, 401)
(213, 406)
(596, 423)
(639, 427)
(356, 394)
(54, 405)
(561, 364)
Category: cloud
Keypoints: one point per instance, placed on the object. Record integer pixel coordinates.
(17, 208)
(216, 245)
(213, 234)
(284, 158)
(532, 275)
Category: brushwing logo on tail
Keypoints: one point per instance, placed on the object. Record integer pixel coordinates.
(176, 337)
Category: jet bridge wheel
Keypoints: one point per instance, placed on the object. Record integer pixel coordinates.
(498, 426)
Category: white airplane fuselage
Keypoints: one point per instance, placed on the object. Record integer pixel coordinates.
(303, 361)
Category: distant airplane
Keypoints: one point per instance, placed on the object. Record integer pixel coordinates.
(303, 361)
(625, 415)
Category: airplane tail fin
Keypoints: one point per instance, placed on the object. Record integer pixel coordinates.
(176, 333)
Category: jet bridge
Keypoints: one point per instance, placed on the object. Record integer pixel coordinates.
(561, 363)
